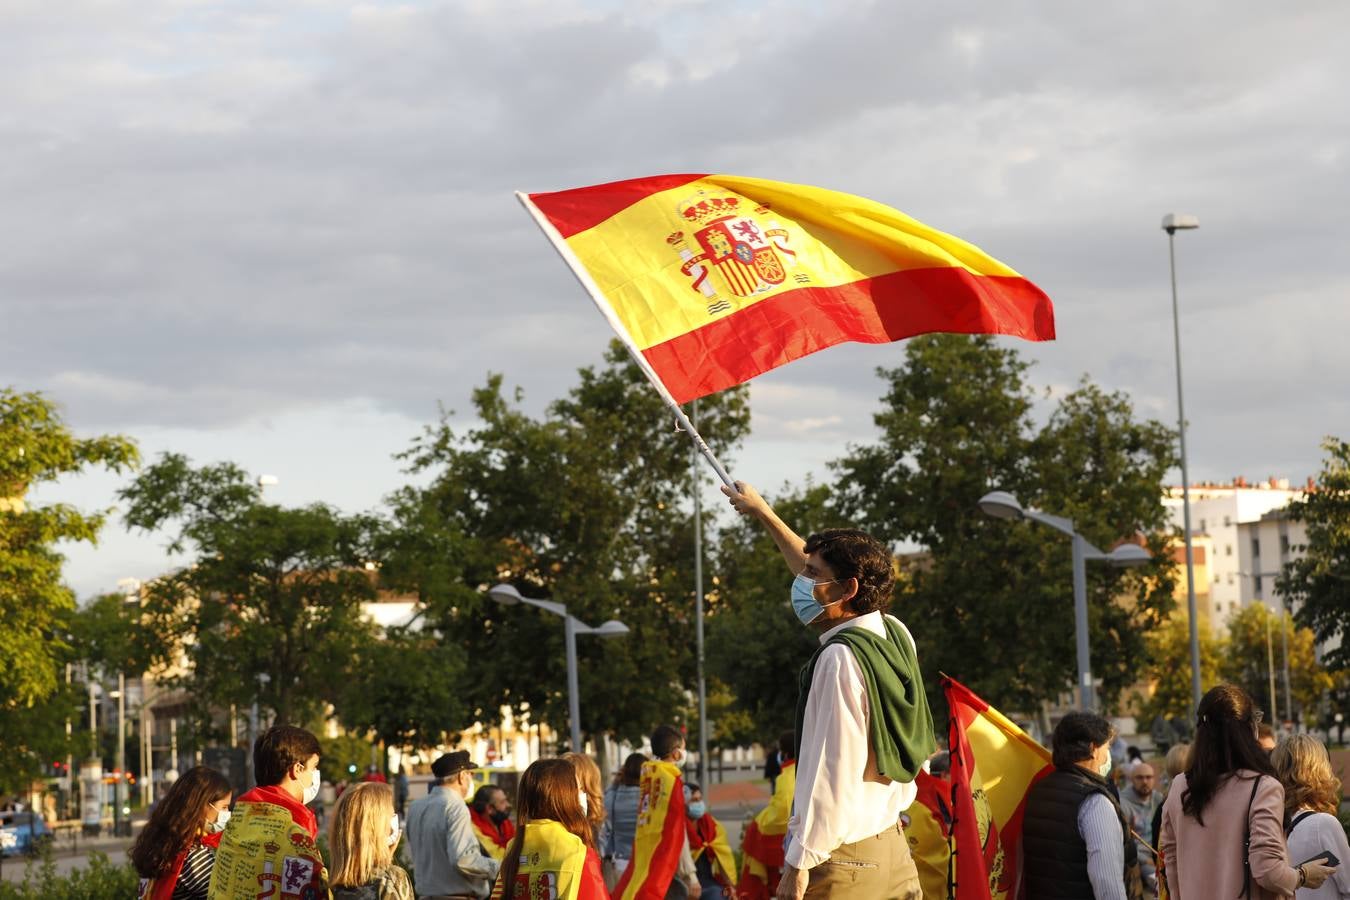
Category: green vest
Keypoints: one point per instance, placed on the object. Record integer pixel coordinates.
(900, 726)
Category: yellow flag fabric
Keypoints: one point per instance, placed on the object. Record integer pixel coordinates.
(708, 834)
(716, 278)
(660, 834)
(265, 853)
(554, 865)
(762, 844)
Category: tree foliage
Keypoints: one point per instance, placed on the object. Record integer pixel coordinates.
(37, 447)
(956, 422)
(1249, 660)
(271, 591)
(586, 505)
(1318, 582)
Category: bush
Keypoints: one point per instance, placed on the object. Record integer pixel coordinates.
(99, 880)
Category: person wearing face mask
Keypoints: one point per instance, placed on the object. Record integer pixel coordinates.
(175, 851)
(660, 865)
(714, 863)
(1075, 839)
(361, 843)
(863, 731)
(269, 842)
(447, 858)
(490, 813)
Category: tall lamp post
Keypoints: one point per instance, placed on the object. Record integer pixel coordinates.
(1002, 505)
(1172, 223)
(507, 595)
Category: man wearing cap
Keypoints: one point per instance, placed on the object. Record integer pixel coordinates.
(449, 862)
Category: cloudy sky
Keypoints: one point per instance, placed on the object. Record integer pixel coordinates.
(282, 232)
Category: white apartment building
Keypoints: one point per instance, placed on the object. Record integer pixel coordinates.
(1232, 516)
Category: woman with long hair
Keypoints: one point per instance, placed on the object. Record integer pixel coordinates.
(1311, 796)
(362, 839)
(176, 849)
(1223, 833)
(588, 776)
(621, 811)
(551, 854)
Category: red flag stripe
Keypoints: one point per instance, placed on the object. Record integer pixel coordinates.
(574, 211)
(878, 310)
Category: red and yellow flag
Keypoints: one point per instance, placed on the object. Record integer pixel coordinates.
(707, 835)
(659, 837)
(994, 764)
(762, 843)
(492, 839)
(714, 279)
(556, 864)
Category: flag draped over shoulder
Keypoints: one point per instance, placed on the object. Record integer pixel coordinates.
(762, 843)
(268, 849)
(707, 835)
(659, 837)
(492, 839)
(715, 279)
(994, 764)
(554, 864)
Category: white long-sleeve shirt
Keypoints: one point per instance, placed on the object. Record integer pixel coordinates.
(1099, 826)
(839, 797)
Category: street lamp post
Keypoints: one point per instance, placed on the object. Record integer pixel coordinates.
(1284, 641)
(1002, 505)
(507, 595)
(1172, 223)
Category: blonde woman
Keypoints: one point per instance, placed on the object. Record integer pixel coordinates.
(1311, 794)
(362, 839)
(588, 777)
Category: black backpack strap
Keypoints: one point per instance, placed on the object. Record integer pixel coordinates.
(1247, 842)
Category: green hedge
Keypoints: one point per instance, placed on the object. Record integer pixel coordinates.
(97, 880)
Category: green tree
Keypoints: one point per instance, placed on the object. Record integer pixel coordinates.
(271, 591)
(992, 604)
(587, 505)
(1317, 583)
(405, 690)
(37, 447)
(1256, 640)
(1168, 669)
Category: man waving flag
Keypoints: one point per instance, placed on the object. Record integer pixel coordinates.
(713, 279)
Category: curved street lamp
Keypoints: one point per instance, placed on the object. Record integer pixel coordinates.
(507, 595)
(1003, 505)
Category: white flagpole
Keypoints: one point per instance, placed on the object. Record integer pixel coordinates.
(607, 311)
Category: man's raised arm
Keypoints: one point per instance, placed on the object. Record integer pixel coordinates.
(748, 502)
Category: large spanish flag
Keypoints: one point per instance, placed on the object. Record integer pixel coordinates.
(994, 764)
(554, 863)
(660, 834)
(714, 279)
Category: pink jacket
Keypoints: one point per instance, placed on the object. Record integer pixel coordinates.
(1205, 862)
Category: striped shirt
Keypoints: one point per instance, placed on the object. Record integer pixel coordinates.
(195, 878)
(1100, 829)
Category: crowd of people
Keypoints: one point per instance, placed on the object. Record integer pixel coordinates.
(1239, 815)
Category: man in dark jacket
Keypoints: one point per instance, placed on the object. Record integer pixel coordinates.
(1075, 839)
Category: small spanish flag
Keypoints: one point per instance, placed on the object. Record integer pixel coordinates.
(660, 834)
(714, 279)
(994, 764)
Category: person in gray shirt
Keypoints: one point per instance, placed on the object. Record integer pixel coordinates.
(447, 859)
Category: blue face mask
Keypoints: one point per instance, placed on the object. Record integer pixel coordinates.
(804, 602)
(696, 809)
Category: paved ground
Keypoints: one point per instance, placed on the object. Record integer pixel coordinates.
(71, 851)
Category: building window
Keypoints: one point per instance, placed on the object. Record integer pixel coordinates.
(1256, 585)
(1227, 549)
(1284, 545)
(1230, 577)
(1256, 548)
(1218, 607)
(1202, 527)
(1227, 521)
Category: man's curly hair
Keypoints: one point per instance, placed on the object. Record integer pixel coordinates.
(855, 554)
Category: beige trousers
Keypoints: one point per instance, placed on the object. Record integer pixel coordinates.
(875, 868)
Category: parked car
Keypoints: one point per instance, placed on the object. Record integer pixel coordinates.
(23, 833)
